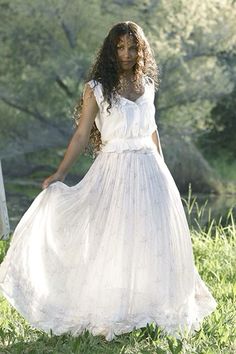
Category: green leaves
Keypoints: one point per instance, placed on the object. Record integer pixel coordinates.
(175, 346)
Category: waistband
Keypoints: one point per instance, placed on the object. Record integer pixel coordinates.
(129, 143)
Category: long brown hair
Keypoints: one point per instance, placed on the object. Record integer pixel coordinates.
(105, 70)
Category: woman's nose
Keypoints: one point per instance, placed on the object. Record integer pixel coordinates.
(126, 53)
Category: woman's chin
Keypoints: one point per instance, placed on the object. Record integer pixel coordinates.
(127, 67)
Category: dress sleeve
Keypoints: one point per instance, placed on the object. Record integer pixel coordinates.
(97, 90)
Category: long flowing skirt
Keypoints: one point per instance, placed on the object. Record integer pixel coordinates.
(109, 254)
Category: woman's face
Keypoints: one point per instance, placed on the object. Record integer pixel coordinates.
(127, 52)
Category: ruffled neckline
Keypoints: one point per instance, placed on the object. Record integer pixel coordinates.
(139, 98)
(135, 101)
(124, 100)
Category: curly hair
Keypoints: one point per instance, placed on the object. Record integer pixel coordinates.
(106, 71)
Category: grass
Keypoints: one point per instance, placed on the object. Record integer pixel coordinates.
(214, 250)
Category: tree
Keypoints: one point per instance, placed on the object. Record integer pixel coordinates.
(47, 48)
(220, 135)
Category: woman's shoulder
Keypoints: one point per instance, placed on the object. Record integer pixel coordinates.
(93, 83)
(96, 86)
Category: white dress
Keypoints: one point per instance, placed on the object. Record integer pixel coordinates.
(112, 252)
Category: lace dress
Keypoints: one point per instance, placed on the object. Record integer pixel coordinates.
(112, 252)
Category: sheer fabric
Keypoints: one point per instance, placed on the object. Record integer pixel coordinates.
(112, 252)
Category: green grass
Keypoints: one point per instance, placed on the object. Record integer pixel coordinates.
(214, 250)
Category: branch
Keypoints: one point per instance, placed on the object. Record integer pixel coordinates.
(191, 100)
(23, 109)
(68, 35)
(67, 31)
(172, 65)
(36, 114)
(63, 86)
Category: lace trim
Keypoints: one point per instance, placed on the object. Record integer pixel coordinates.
(187, 319)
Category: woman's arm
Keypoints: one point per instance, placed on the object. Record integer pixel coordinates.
(80, 138)
(156, 140)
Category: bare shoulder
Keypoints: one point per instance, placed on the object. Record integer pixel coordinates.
(94, 88)
(88, 112)
(90, 105)
(88, 92)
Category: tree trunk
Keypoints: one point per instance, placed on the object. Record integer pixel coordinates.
(4, 221)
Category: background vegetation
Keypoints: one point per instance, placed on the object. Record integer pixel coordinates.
(48, 46)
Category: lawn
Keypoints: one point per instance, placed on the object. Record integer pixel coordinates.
(215, 258)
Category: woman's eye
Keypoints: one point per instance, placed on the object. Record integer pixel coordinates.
(130, 48)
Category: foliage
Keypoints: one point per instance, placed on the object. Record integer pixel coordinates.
(43, 64)
(219, 138)
(47, 48)
(224, 165)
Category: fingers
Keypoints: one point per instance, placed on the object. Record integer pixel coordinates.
(46, 183)
(51, 179)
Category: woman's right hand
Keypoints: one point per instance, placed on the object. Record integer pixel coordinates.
(53, 178)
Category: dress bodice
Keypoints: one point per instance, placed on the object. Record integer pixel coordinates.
(130, 124)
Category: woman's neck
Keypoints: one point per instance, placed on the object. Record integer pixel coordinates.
(127, 75)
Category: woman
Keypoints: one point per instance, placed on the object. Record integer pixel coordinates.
(114, 251)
